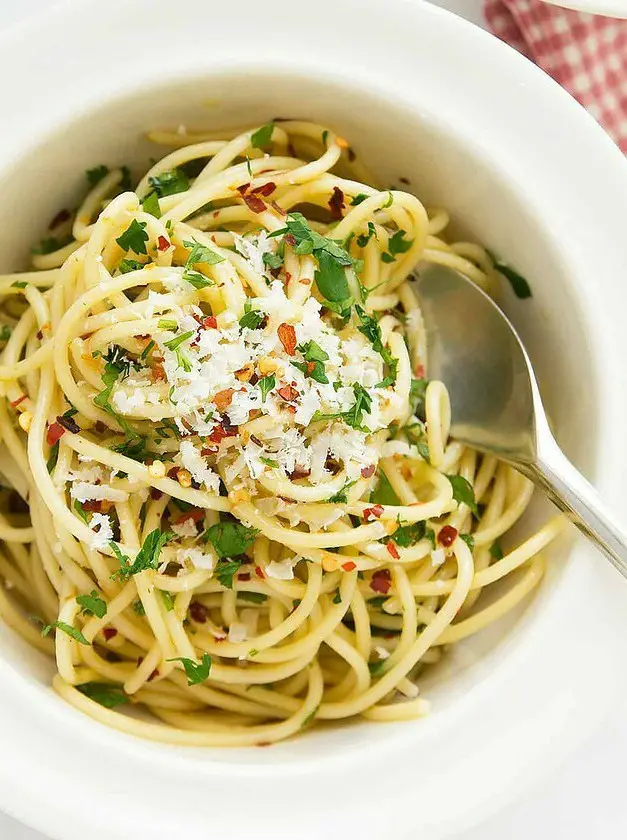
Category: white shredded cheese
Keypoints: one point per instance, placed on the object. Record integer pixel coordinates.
(100, 524)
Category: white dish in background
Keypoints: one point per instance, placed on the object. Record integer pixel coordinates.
(608, 8)
(504, 714)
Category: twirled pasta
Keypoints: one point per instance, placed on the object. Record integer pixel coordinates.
(226, 369)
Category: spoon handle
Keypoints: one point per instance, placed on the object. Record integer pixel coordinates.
(570, 492)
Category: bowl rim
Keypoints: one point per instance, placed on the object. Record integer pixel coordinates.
(606, 180)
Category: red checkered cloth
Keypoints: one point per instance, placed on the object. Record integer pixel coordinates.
(587, 54)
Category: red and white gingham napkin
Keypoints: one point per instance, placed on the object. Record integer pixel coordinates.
(587, 54)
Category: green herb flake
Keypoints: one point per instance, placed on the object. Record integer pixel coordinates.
(134, 238)
(518, 283)
(129, 265)
(269, 462)
(266, 384)
(151, 205)
(383, 493)
(357, 199)
(261, 138)
(371, 329)
(463, 492)
(169, 183)
(168, 600)
(106, 695)
(95, 175)
(196, 672)
(229, 538)
(92, 604)
(67, 629)
(146, 558)
(340, 497)
(496, 551)
(408, 535)
(469, 540)
(78, 507)
(252, 597)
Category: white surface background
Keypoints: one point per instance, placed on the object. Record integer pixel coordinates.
(587, 797)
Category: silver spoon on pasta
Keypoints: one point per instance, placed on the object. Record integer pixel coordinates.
(495, 403)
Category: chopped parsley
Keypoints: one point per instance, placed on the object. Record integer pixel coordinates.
(169, 183)
(332, 257)
(354, 416)
(5, 333)
(252, 597)
(230, 538)
(251, 319)
(134, 238)
(146, 558)
(174, 344)
(196, 672)
(168, 600)
(67, 629)
(269, 462)
(383, 493)
(397, 244)
(266, 384)
(261, 138)
(463, 492)
(518, 283)
(357, 199)
(106, 695)
(340, 497)
(201, 254)
(272, 260)
(226, 571)
(469, 540)
(129, 265)
(78, 507)
(408, 535)
(92, 604)
(496, 551)
(151, 205)
(95, 175)
(364, 238)
(371, 329)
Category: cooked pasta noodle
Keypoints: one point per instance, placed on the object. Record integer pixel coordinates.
(229, 490)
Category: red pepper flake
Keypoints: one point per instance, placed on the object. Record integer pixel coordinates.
(287, 337)
(245, 576)
(259, 572)
(162, 244)
(157, 372)
(264, 189)
(392, 550)
(62, 216)
(109, 633)
(222, 399)
(291, 409)
(218, 433)
(336, 203)
(40, 335)
(290, 239)
(100, 427)
(352, 156)
(93, 505)
(419, 370)
(372, 513)
(367, 472)
(155, 494)
(254, 203)
(153, 676)
(54, 434)
(299, 472)
(193, 515)
(209, 322)
(288, 276)
(288, 393)
(243, 188)
(447, 535)
(348, 567)
(278, 208)
(16, 402)
(198, 612)
(173, 472)
(381, 581)
(69, 424)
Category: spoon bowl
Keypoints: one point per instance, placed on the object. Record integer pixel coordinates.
(496, 407)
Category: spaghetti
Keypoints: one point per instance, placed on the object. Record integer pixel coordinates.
(229, 493)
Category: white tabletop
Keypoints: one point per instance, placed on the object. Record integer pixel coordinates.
(586, 798)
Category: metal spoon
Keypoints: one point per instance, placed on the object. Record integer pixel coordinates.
(495, 401)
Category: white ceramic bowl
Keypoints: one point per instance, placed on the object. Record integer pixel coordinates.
(478, 129)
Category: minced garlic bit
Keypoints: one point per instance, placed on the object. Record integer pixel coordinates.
(25, 420)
